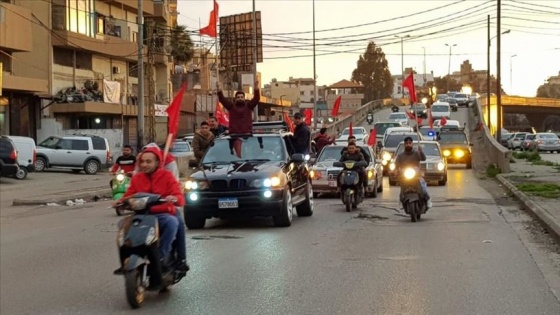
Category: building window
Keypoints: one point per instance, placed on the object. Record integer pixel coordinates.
(100, 23)
(91, 122)
(65, 57)
(80, 16)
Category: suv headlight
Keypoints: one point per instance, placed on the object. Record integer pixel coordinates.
(440, 166)
(446, 153)
(195, 185)
(392, 166)
(459, 153)
(273, 181)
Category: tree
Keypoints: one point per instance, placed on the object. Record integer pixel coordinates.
(181, 45)
(372, 71)
(549, 90)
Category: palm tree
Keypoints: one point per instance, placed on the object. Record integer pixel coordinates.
(181, 45)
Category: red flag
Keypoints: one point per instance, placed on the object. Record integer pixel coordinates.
(409, 84)
(372, 137)
(308, 115)
(419, 122)
(289, 122)
(211, 29)
(336, 106)
(173, 111)
(443, 121)
(410, 115)
(351, 130)
(221, 116)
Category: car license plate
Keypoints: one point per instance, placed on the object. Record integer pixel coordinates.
(550, 142)
(332, 183)
(228, 203)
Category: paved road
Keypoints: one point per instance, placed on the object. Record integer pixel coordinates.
(467, 256)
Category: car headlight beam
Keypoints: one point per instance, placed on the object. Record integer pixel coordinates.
(392, 166)
(386, 156)
(459, 153)
(440, 166)
(446, 153)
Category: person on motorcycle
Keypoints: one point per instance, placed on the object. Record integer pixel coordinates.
(352, 139)
(126, 162)
(411, 158)
(353, 153)
(153, 178)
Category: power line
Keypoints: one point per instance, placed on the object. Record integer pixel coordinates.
(536, 5)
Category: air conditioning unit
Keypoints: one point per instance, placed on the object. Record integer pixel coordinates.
(116, 70)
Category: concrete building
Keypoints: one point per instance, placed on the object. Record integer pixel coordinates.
(352, 96)
(87, 52)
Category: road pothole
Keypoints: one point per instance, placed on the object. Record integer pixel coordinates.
(210, 237)
(370, 217)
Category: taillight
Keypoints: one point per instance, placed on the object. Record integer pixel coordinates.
(13, 155)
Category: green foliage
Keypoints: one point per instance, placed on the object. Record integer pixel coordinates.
(547, 190)
(181, 45)
(549, 90)
(531, 156)
(372, 70)
(493, 170)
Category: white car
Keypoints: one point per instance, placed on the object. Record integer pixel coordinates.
(390, 130)
(450, 124)
(399, 117)
(440, 110)
(360, 133)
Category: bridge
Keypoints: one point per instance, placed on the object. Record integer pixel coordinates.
(543, 113)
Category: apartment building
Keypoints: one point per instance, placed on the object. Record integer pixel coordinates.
(351, 96)
(87, 52)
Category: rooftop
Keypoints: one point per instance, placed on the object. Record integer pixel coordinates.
(345, 84)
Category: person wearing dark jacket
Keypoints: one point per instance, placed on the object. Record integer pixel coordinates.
(412, 158)
(354, 154)
(240, 111)
(322, 140)
(202, 140)
(215, 127)
(126, 162)
(153, 178)
(302, 135)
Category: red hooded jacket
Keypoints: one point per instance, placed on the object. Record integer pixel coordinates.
(161, 182)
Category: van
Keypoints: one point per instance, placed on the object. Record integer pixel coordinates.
(27, 153)
(440, 110)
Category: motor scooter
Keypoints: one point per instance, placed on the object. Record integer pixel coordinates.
(351, 189)
(119, 185)
(411, 195)
(138, 239)
(395, 108)
(369, 119)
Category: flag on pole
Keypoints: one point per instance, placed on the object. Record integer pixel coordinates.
(289, 122)
(336, 106)
(221, 115)
(212, 28)
(308, 115)
(431, 119)
(443, 121)
(173, 111)
(351, 133)
(372, 137)
(409, 84)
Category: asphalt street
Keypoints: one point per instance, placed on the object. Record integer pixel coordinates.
(468, 255)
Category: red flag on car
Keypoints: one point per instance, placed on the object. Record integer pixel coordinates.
(211, 29)
(336, 106)
(443, 121)
(409, 84)
(410, 115)
(221, 116)
(372, 137)
(308, 115)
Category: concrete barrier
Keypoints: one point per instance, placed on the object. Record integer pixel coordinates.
(497, 154)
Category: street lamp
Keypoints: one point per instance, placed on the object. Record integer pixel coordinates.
(449, 67)
(402, 52)
(511, 72)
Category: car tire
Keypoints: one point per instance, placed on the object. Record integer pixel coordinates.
(21, 173)
(287, 211)
(373, 193)
(40, 164)
(91, 167)
(305, 209)
(443, 181)
(192, 221)
(380, 188)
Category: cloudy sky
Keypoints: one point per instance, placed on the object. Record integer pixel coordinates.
(344, 27)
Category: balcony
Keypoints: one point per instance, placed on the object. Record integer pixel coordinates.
(24, 84)
(161, 11)
(94, 108)
(110, 45)
(15, 28)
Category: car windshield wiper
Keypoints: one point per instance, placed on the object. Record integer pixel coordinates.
(255, 160)
(216, 162)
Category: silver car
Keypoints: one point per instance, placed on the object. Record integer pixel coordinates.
(546, 141)
(434, 169)
(324, 174)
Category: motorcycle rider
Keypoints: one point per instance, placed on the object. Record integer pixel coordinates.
(126, 162)
(152, 178)
(353, 153)
(411, 158)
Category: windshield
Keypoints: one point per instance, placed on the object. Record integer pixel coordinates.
(50, 142)
(355, 131)
(460, 95)
(265, 148)
(418, 107)
(392, 141)
(381, 127)
(397, 116)
(430, 149)
(440, 108)
(548, 136)
(180, 146)
(453, 138)
(329, 154)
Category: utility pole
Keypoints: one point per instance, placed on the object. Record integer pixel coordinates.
(255, 58)
(489, 121)
(151, 99)
(314, 75)
(140, 101)
(498, 75)
(449, 67)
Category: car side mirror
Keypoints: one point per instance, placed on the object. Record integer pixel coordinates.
(193, 163)
(298, 157)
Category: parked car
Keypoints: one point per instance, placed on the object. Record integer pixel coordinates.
(515, 141)
(456, 147)
(546, 141)
(433, 169)
(76, 152)
(8, 157)
(27, 153)
(399, 117)
(526, 144)
(265, 179)
(324, 174)
(440, 110)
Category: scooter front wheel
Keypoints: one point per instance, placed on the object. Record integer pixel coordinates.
(134, 288)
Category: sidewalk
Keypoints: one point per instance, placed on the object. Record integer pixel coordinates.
(524, 172)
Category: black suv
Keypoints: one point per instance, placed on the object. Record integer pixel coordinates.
(8, 157)
(265, 179)
(455, 146)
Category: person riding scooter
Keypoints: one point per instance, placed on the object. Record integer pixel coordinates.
(126, 162)
(411, 158)
(353, 153)
(152, 178)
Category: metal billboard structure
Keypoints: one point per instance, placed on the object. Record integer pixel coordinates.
(236, 42)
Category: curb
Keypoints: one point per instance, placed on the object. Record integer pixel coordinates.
(541, 213)
(61, 200)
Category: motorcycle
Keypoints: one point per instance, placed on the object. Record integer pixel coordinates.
(411, 195)
(352, 190)
(119, 185)
(369, 119)
(395, 108)
(137, 238)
